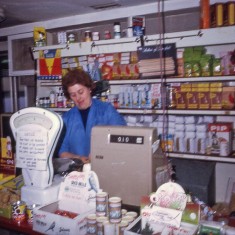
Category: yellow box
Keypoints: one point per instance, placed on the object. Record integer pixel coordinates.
(216, 89)
(216, 84)
(186, 87)
(5, 148)
(5, 178)
(203, 85)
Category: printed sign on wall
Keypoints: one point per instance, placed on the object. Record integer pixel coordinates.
(50, 64)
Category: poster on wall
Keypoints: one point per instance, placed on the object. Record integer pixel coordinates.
(157, 60)
(50, 65)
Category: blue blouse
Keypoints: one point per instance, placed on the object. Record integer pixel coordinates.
(77, 139)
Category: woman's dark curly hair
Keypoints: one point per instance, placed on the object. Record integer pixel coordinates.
(76, 76)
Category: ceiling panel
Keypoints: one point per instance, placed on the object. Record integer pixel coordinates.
(27, 11)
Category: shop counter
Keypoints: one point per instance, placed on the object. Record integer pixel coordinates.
(23, 227)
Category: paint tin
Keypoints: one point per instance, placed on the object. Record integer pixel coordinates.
(115, 214)
(121, 227)
(107, 35)
(205, 14)
(101, 204)
(219, 12)
(95, 36)
(88, 36)
(224, 148)
(71, 38)
(29, 213)
(91, 224)
(100, 224)
(18, 210)
(230, 13)
(116, 30)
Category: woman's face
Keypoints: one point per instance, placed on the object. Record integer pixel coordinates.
(81, 96)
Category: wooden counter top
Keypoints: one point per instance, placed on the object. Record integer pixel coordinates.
(23, 227)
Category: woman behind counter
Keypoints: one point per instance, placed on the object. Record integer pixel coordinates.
(88, 112)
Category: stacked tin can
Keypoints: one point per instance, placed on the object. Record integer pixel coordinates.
(109, 218)
(217, 15)
(18, 210)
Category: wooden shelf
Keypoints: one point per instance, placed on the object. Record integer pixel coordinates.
(212, 36)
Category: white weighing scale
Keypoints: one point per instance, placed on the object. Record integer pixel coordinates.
(36, 131)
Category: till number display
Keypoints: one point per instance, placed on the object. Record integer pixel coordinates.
(126, 139)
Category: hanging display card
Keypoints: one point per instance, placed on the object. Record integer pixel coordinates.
(168, 204)
(157, 60)
(50, 64)
(31, 147)
(78, 192)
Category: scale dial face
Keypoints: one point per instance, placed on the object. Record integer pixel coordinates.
(36, 118)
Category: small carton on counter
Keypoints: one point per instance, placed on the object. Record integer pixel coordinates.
(164, 215)
(185, 229)
(77, 197)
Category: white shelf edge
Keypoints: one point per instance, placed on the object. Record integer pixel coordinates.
(161, 112)
(49, 83)
(149, 81)
(212, 36)
(201, 157)
(174, 80)
(176, 112)
(201, 79)
(59, 109)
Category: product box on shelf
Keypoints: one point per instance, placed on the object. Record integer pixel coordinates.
(228, 97)
(76, 201)
(220, 138)
(216, 95)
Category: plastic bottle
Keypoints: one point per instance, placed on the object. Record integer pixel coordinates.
(52, 99)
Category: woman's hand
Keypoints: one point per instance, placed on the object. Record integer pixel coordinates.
(85, 159)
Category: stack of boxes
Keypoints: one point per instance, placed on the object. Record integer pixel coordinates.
(199, 64)
(204, 95)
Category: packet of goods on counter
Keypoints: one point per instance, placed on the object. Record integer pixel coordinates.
(4, 178)
(215, 228)
(7, 197)
(14, 183)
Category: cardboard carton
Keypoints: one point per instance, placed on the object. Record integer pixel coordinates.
(220, 138)
(77, 195)
(46, 221)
